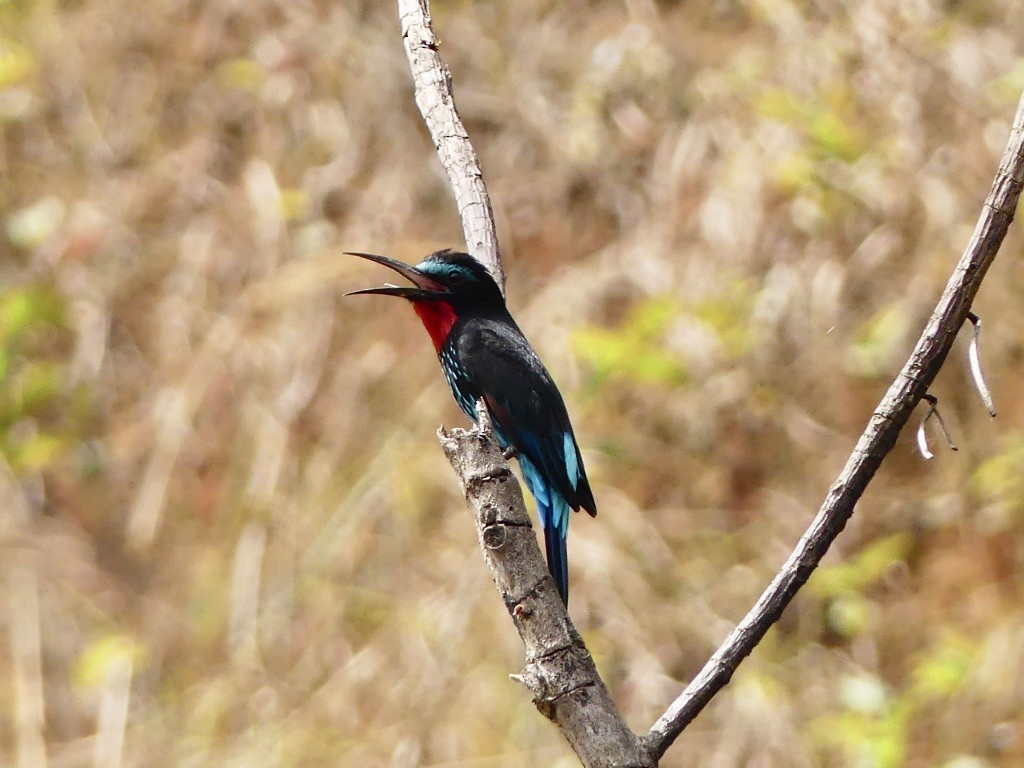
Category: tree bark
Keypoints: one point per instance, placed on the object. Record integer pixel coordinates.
(433, 86)
(560, 672)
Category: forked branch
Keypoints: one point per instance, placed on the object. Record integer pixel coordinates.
(560, 671)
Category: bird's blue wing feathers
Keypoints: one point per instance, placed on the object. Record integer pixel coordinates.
(551, 451)
(572, 459)
(527, 408)
(496, 362)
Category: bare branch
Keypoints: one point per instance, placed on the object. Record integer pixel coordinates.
(433, 84)
(560, 672)
(878, 439)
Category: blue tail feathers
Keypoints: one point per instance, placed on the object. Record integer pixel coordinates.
(558, 561)
(537, 460)
(553, 511)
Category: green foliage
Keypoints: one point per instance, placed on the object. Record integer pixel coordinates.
(635, 349)
(242, 74)
(38, 417)
(1006, 88)
(870, 739)
(849, 614)
(24, 309)
(877, 342)
(826, 132)
(727, 315)
(102, 655)
(1001, 477)
(875, 725)
(16, 63)
(942, 671)
(862, 570)
(824, 122)
(843, 587)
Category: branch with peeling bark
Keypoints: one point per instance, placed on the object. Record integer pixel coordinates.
(560, 672)
(433, 86)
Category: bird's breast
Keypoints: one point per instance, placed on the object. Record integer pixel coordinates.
(438, 317)
(462, 389)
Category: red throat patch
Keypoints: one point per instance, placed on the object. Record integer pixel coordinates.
(438, 318)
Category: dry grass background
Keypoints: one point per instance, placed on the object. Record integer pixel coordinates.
(228, 534)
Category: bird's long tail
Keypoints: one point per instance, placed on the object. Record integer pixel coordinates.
(558, 560)
(553, 511)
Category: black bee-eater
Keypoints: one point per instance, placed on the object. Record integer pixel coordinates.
(484, 355)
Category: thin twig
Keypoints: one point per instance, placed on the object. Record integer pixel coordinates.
(433, 84)
(878, 439)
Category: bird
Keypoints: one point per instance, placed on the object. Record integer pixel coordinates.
(484, 355)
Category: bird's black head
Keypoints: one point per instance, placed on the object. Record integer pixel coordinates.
(449, 276)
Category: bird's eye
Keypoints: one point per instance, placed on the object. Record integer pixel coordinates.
(456, 278)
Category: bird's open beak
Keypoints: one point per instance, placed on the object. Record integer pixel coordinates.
(426, 288)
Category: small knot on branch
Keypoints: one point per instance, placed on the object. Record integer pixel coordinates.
(495, 536)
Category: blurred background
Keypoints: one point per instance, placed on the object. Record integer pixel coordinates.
(228, 535)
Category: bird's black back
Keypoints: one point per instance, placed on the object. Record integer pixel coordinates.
(487, 355)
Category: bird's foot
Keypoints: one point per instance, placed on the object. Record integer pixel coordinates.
(509, 453)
